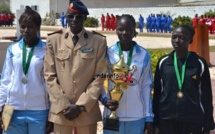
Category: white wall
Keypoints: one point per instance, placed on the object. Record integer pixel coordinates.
(116, 7)
(184, 1)
(59, 6)
(125, 3)
(173, 11)
(43, 6)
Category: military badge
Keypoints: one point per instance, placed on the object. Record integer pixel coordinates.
(60, 50)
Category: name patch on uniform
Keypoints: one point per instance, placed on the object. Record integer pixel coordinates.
(86, 50)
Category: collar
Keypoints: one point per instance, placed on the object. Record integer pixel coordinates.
(190, 62)
(39, 44)
(79, 34)
(137, 49)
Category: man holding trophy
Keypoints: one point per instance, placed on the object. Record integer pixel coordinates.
(128, 100)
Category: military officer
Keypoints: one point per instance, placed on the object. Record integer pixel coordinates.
(73, 59)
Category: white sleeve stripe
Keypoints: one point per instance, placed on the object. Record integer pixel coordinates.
(203, 67)
(159, 69)
(162, 62)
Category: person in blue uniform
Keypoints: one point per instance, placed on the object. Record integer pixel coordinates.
(157, 23)
(152, 28)
(182, 101)
(163, 23)
(169, 24)
(62, 19)
(141, 23)
(148, 23)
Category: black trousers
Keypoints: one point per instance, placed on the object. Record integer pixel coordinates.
(180, 127)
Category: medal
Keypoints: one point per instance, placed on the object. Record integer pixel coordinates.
(125, 85)
(24, 80)
(26, 63)
(180, 95)
(180, 78)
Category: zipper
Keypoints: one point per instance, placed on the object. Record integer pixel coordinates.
(45, 92)
(125, 104)
(177, 110)
(8, 95)
(24, 86)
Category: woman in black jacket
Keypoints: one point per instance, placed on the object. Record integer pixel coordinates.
(182, 94)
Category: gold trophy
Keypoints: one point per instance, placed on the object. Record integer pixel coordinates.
(120, 69)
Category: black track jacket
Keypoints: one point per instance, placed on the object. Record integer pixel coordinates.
(196, 105)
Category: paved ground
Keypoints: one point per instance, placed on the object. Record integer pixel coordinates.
(147, 42)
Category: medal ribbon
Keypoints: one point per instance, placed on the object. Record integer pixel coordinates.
(129, 56)
(125, 86)
(25, 65)
(180, 79)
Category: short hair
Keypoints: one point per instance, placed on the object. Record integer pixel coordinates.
(187, 28)
(129, 17)
(31, 15)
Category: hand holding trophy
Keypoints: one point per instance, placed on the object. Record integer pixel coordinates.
(120, 69)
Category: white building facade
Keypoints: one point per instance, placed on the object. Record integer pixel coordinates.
(118, 7)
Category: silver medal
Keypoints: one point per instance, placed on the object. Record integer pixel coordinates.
(24, 80)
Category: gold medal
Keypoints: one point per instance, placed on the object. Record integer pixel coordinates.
(124, 86)
(180, 94)
(71, 5)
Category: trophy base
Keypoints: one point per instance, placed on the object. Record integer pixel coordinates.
(111, 124)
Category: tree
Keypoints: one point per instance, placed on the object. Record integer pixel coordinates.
(185, 20)
(4, 9)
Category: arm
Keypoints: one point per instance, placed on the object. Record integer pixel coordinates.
(59, 102)
(105, 99)
(156, 95)
(93, 91)
(207, 101)
(146, 83)
(6, 77)
(104, 95)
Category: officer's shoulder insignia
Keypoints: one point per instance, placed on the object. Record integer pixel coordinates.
(66, 35)
(55, 32)
(85, 35)
(94, 32)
